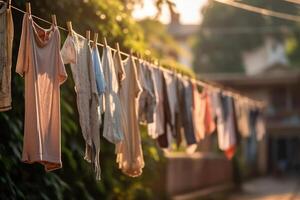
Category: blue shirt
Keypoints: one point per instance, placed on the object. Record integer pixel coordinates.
(100, 81)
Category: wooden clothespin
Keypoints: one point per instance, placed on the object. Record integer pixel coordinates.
(53, 17)
(105, 42)
(70, 29)
(95, 39)
(28, 8)
(118, 47)
(88, 35)
(9, 4)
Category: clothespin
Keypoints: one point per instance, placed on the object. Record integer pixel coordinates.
(105, 42)
(95, 39)
(53, 17)
(70, 29)
(118, 47)
(9, 4)
(88, 35)
(28, 8)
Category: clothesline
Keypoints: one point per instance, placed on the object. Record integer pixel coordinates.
(225, 91)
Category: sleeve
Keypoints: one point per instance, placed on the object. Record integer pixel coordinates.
(68, 51)
(24, 48)
(62, 74)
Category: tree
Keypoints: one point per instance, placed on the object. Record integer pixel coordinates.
(76, 179)
(220, 51)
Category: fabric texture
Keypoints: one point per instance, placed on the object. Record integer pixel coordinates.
(129, 151)
(170, 80)
(156, 128)
(198, 114)
(112, 130)
(188, 123)
(77, 52)
(242, 116)
(163, 139)
(40, 62)
(100, 80)
(208, 112)
(147, 99)
(6, 42)
(225, 123)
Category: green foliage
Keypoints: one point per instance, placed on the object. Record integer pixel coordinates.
(218, 51)
(76, 180)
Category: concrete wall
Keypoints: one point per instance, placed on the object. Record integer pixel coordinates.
(189, 173)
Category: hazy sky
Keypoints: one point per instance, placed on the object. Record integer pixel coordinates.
(189, 11)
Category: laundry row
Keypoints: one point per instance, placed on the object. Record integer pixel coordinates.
(116, 93)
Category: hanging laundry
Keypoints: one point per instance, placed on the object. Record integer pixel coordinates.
(198, 113)
(188, 124)
(6, 42)
(40, 62)
(112, 129)
(156, 128)
(179, 110)
(207, 112)
(162, 139)
(171, 85)
(77, 52)
(147, 99)
(226, 128)
(242, 115)
(260, 126)
(100, 80)
(129, 151)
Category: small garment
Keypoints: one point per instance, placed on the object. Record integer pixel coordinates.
(112, 129)
(77, 52)
(100, 81)
(41, 64)
(188, 123)
(226, 127)
(242, 115)
(129, 151)
(260, 126)
(147, 99)
(162, 139)
(198, 114)
(179, 110)
(171, 88)
(207, 112)
(6, 42)
(156, 128)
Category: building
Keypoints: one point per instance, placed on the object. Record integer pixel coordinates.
(184, 34)
(278, 86)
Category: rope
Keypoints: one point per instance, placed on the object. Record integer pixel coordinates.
(224, 90)
(261, 11)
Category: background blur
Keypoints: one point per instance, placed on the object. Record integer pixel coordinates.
(254, 54)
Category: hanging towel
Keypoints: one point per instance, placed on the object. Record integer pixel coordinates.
(77, 52)
(171, 88)
(112, 130)
(147, 99)
(40, 62)
(198, 113)
(242, 115)
(226, 128)
(6, 42)
(163, 140)
(156, 128)
(129, 151)
(188, 124)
